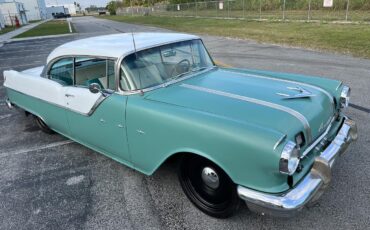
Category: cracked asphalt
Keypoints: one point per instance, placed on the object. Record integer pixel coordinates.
(48, 182)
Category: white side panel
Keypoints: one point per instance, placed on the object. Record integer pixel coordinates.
(35, 86)
(81, 100)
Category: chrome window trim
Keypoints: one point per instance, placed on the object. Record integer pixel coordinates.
(163, 85)
(106, 72)
(292, 112)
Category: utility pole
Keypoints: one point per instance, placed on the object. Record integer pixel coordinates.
(132, 12)
(347, 10)
(260, 9)
(244, 9)
(10, 18)
(196, 8)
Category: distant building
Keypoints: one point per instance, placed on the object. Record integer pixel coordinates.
(73, 9)
(35, 9)
(53, 10)
(2, 21)
(12, 11)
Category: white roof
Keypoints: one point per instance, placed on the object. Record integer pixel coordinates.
(116, 45)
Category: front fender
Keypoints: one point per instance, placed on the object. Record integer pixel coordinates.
(157, 131)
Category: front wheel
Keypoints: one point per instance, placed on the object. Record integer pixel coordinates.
(208, 187)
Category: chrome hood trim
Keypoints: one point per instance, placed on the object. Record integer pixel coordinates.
(302, 93)
(290, 81)
(292, 112)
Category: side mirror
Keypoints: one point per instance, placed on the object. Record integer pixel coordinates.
(94, 88)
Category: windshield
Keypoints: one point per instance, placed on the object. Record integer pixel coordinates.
(162, 64)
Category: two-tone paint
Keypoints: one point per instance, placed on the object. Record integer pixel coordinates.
(235, 118)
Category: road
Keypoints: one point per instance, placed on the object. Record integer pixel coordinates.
(48, 182)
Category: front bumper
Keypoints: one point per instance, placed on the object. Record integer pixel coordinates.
(311, 186)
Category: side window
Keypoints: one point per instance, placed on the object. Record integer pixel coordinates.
(93, 70)
(62, 71)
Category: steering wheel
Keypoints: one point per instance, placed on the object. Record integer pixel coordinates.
(184, 64)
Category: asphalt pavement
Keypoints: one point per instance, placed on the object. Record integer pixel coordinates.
(49, 182)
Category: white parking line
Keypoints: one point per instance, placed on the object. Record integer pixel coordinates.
(5, 116)
(29, 64)
(24, 56)
(27, 150)
(17, 51)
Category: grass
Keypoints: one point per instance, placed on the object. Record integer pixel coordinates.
(53, 27)
(351, 39)
(6, 30)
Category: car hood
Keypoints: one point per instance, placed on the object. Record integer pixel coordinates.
(253, 98)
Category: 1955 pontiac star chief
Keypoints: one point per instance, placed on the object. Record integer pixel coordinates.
(267, 138)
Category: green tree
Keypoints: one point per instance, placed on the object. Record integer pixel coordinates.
(112, 7)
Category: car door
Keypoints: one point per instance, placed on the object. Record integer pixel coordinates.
(97, 119)
(61, 71)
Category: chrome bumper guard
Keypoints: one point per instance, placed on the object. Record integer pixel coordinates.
(310, 188)
(8, 103)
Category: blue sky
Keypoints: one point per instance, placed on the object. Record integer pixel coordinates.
(83, 3)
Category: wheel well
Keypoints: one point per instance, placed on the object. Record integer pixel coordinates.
(175, 159)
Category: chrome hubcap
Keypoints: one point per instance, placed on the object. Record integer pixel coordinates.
(210, 177)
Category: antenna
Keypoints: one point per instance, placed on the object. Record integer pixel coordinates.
(133, 41)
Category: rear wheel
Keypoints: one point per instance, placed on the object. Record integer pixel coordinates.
(208, 187)
(44, 127)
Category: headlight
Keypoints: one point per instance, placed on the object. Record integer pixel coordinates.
(289, 159)
(299, 140)
(344, 96)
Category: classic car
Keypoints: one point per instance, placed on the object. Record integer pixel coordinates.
(269, 139)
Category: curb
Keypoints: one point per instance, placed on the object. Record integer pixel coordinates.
(40, 37)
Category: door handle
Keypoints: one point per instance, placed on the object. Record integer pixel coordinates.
(69, 95)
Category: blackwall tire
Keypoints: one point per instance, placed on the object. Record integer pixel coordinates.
(208, 187)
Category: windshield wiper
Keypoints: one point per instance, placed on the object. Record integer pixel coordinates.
(201, 68)
(179, 75)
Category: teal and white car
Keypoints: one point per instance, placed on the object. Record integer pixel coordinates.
(267, 138)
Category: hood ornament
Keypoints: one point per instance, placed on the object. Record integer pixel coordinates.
(302, 93)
